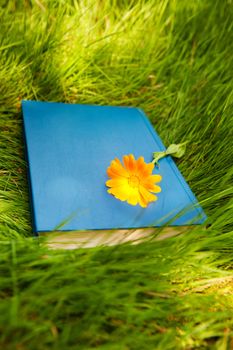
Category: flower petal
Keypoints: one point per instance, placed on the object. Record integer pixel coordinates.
(142, 202)
(116, 169)
(116, 182)
(156, 178)
(140, 164)
(130, 163)
(117, 194)
(133, 197)
(144, 169)
(146, 195)
(121, 192)
(150, 186)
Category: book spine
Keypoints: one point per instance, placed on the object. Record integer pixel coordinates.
(172, 165)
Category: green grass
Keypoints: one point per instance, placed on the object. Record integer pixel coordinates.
(174, 60)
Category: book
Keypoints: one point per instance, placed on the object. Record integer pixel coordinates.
(69, 148)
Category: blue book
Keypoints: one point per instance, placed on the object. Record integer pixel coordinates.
(69, 149)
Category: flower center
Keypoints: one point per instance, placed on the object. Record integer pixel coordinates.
(133, 181)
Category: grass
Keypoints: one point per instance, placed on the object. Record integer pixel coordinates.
(174, 60)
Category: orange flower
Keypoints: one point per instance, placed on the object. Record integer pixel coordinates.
(133, 181)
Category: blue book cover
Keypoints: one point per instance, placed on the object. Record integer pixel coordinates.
(69, 149)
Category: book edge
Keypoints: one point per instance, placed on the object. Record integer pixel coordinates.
(29, 178)
(98, 238)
